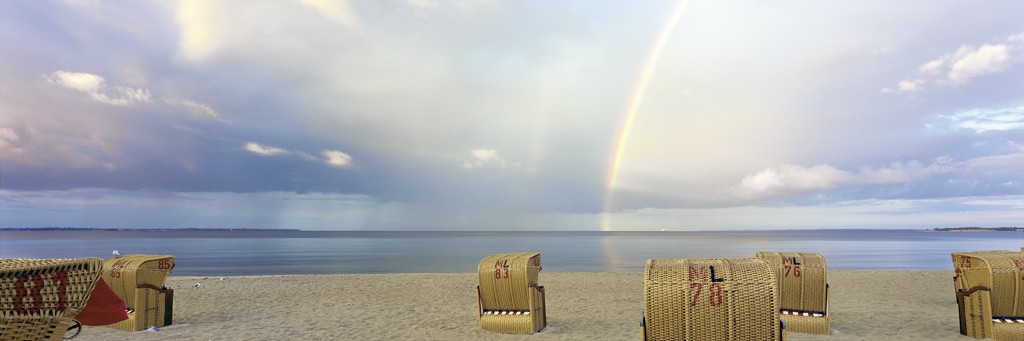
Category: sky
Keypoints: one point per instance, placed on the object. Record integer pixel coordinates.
(511, 115)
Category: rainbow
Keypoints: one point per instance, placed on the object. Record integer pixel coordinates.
(639, 88)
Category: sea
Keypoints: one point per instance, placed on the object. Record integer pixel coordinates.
(280, 252)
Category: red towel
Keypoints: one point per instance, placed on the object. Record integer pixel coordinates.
(104, 307)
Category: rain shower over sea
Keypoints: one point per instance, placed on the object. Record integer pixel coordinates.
(276, 252)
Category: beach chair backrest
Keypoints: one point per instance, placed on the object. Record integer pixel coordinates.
(710, 299)
(139, 280)
(505, 280)
(802, 279)
(39, 298)
(1001, 271)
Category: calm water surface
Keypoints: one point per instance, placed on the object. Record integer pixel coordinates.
(226, 253)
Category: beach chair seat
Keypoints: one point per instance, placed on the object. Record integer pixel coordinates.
(710, 299)
(803, 287)
(509, 297)
(990, 294)
(39, 298)
(139, 280)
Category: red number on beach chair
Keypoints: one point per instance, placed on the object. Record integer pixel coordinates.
(501, 264)
(62, 290)
(693, 302)
(115, 270)
(714, 293)
(795, 270)
(698, 273)
(37, 292)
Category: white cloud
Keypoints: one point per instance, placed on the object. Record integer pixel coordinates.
(969, 62)
(484, 157)
(961, 66)
(264, 150)
(485, 154)
(338, 158)
(332, 157)
(910, 86)
(933, 67)
(95, 86)
(983, 120)
(7, 136)
(84, 82)
(789, 179)
(906, 86)
(794, 179)
(202, 109)
(9, 148)
(764, 181)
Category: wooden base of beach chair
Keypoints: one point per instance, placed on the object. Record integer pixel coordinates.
(799, 322)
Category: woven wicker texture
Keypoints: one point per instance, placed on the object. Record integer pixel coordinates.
(40, 297)
(510, 298)
(1008, 331)
(710, 299)
(139, 281)
(803, 285)
(807, 324)
(990, 284)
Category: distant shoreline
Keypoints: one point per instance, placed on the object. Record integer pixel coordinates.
(977, 229)
(138, 229)
(280, 230)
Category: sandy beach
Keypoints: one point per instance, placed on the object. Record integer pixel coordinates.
(865, 305)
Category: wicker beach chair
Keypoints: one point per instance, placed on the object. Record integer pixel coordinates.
(39, 298)
(803, 287)
(509, 296)
(710, 299)
(990, 294)
(139, 281)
